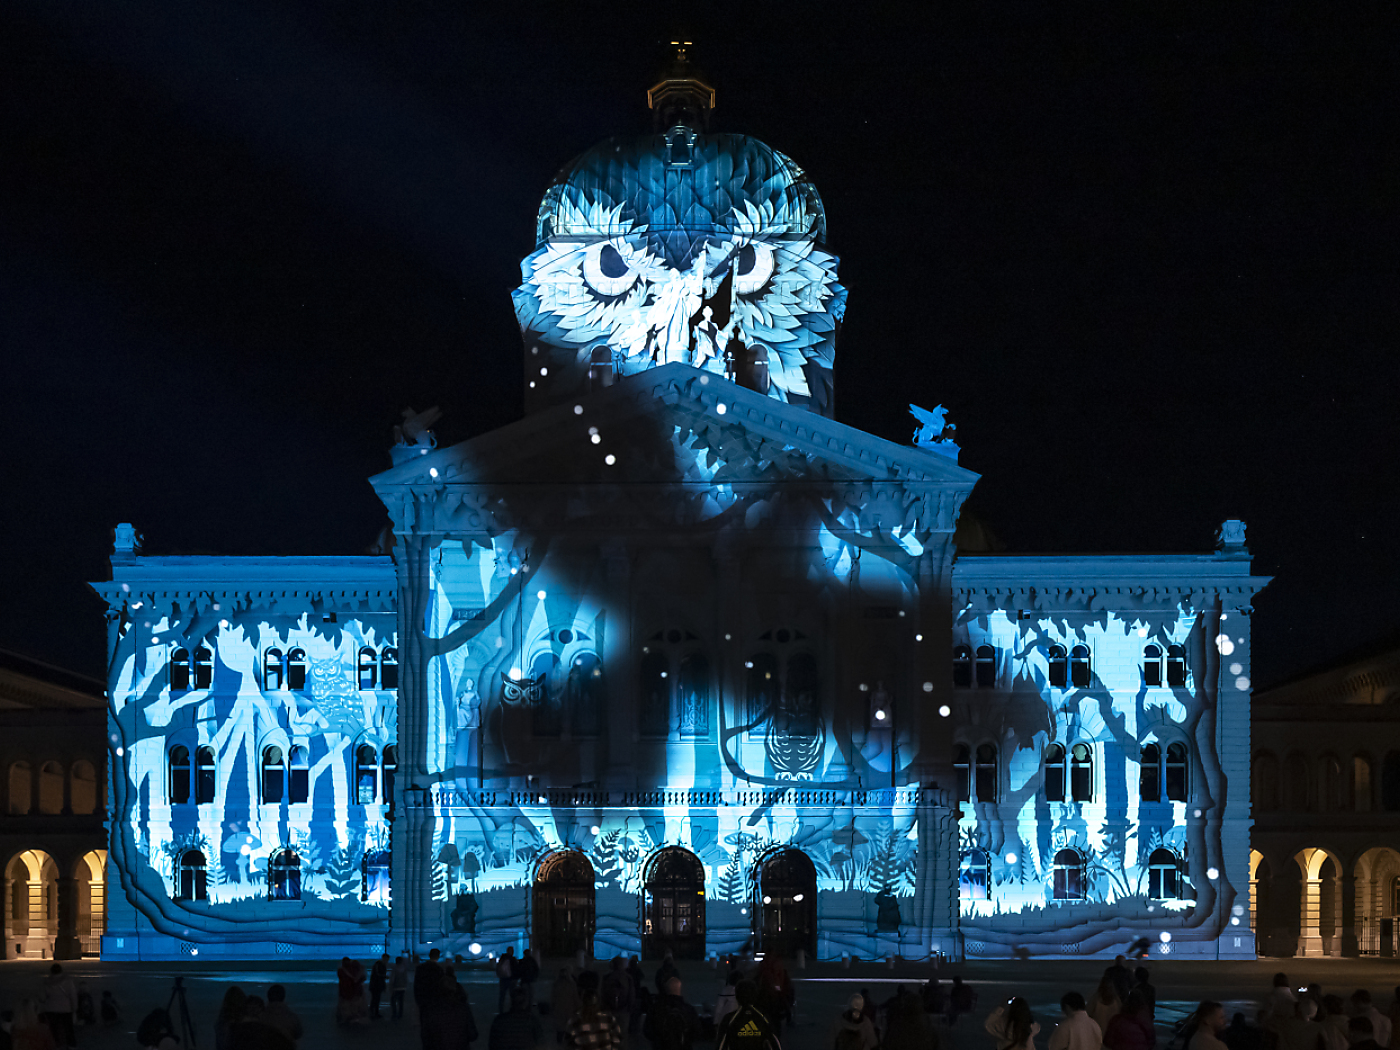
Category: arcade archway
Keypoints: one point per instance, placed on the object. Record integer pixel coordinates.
(32, 906)
(675, 905)
(90, 873)
(564, 909)
(787, 888)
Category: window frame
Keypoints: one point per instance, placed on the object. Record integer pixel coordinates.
(987, 773)
(1152, 666)
(1067, 875)
(1081, 669)
(174, 771)
(972, 863)
(962, 667)
(192, 879)
(1057, 662)
(1081, 772)
(206, 775)
(1159, 863)
(1055, 768)
(985, 667)
(274, 775)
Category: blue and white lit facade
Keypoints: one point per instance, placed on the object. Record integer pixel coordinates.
(679, 661)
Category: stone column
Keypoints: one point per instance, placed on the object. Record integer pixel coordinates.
(66, 943)
(1351, 946)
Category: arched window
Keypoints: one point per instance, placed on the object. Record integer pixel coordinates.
(1361, 784)
(1177, 770)
(369, 668)
(191, 877)
(1068, 878)
(1055, 773)
(1150, 773)
(1390, 782)
(179, 670)
(974, 876)
(284, 876)
(389, 668)
(366, 775)
(1079, 666)
(1176, 666)
(962, 667)
(204, 775)
(1081, 772)
(656, 694)
(1329, 784)
(1264, 789)
(986, 773)
(962, 772)
(272, 669)
(546, 708)
(374, 885)
(1296, 784)
(21, 788)
(298, 777)
(694, 696)
(1163, 876)
(761, 687)
(296, 669)
(51, 788)
(391, 769)
(179, 781)
(584, 696)
(274, 776)
(1059, 667)
(1151, 665)
(203, 667)
(986, 667)
(83, 789)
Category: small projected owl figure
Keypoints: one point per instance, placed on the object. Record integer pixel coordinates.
(796, 737)
(703, 249)
(525, 691)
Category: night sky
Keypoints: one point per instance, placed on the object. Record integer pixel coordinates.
(1149, 264)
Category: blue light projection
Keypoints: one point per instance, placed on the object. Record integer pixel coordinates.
(711, 255)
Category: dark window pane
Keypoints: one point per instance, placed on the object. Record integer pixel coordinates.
(962, 667)
(1150, 774)
(1059, 667)
(655, 694)
(986, 667)
(694, 696)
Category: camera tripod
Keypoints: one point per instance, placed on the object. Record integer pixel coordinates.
(183, 1027)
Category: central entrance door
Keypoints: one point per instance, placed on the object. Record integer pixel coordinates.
(564, 905)
(788, 904)
(675, 906)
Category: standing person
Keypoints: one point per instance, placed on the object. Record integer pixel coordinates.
(252, 1032)
(398, 986)
(962, 999)
(1105, 1004)
(230, 1013)
(1078, 1031)
(1147, 988)
(453, 1025)
(278, 1014)
(60, 1004)
(727, 1001)
(747, 1027)
(1012, 1025)
(29, 1032)
(1361, 1034)
(855, 1030)
(775, 993)
(519, 1027)
(665, 972)
(592, 1027)
(350, 993)
(563, 1002)
(672, 1023)
(1380, 1024)
(935, 1003)
(641, 994)
(1334, 1023)
(527, 972)
(1206, 1027)
(615, 995)
(1281, 997)
(1302, 1031)
(505, 974)
(907, 1027)
(109, 1011)
(427, 994)
(1132, 1028)
(378, 981)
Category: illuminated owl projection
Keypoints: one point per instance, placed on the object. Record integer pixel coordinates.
(681, 246)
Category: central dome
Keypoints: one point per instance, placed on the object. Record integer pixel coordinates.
(707, 249)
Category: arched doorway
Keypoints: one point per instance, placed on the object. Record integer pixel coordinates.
(564, 905)
(675, 905)
(788, 904)
(91, 875)
(32, 911)
(1377, 901)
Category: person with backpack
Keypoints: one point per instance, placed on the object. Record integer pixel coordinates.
(747, 1028)
(672, 1023)
(505, 975)
(592, 1028)
(527, 972)
(616, 996)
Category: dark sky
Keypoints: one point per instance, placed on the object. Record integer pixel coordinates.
(1149, 263)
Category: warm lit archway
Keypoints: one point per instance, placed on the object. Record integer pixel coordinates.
(90, 873)
(1377, 874)
(31, 913)
(1319, 920)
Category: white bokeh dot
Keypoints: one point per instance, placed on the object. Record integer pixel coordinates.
(1242, 683)
(1212, 873)
(945, 711)
(1164, 937)
(609, 459)
(1236, 668)
(721, 408)
(578, 410)
(928, 687)
(1011, 858)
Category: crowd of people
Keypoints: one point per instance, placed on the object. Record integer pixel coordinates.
(616, 1006)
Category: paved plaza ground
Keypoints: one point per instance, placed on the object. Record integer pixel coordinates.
(822, 990)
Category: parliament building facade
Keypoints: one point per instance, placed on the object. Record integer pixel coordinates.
(678, 661)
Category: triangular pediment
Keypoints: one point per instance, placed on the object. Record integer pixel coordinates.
(674, 424)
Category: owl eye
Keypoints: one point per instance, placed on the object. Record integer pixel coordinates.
(753, 266)
(606, 271)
